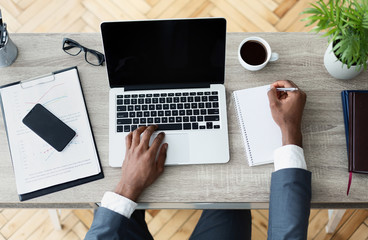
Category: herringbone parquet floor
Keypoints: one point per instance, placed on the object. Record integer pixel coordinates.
(86, 16)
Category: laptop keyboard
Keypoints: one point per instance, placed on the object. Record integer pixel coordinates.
(170, 111)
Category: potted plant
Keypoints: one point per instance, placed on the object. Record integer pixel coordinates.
(345, 22)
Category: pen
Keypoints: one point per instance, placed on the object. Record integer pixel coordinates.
(3, 37)
(1, 30)
(286, 89)
(1, 19)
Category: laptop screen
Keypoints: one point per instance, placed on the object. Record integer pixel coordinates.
(150, 52)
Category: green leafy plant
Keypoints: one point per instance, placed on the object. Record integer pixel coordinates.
(345, 22)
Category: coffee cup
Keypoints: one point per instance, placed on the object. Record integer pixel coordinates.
(254, 53)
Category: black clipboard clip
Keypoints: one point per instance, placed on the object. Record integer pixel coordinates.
(47, 78)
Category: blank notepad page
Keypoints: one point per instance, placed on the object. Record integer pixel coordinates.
(260, 133)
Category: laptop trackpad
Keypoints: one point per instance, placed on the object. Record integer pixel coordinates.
(178, 149)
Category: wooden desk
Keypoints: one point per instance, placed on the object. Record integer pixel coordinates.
(231, 185)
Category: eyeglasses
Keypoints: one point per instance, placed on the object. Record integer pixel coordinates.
(73, 48)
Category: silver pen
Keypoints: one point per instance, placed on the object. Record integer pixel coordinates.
(286, 89)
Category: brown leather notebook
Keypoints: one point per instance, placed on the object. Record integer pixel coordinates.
(358, 132)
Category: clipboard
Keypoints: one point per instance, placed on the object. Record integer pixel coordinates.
(78, 163)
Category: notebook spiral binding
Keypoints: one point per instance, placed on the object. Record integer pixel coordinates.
(244, 131)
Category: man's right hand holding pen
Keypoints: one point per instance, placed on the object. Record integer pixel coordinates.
(287, 110)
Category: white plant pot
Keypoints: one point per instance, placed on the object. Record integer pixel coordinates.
(336, 68)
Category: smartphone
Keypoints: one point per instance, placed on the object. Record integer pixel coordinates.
(50, 128)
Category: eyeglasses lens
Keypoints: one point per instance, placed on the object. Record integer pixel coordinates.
(71, 48)
(92, 58)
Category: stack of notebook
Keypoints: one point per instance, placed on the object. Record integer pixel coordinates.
(355, 107)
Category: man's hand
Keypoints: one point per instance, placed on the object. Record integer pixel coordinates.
(140, 168)
(287, 110)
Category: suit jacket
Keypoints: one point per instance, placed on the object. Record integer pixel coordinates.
(109, 225)
(289, 204)
(288, 218)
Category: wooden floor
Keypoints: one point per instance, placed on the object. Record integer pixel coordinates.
(34, 224)
(85, 16)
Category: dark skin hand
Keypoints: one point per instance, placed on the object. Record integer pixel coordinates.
(287, 110)
(141, 167)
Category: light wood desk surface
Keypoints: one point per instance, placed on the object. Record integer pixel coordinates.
(231, 185)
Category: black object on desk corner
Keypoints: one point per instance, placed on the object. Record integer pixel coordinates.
(8, 50)
(2, 31)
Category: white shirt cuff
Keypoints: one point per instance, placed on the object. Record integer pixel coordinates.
(118, 204)
(289, 156)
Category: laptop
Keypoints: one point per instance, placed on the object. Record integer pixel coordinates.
(170, 73)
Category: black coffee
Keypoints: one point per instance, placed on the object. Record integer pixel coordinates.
(253, 53)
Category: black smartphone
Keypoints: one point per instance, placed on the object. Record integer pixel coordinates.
(50, 128)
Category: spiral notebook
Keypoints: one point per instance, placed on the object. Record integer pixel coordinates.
(261, 135)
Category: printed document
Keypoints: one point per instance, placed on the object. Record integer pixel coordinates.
(36, 164)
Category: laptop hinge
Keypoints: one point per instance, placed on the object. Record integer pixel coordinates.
(166, 86)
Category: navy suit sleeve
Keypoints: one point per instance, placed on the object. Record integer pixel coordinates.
(289, 204)
(110, 225)
(107, 224)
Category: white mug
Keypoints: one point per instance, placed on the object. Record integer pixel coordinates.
(270, 57)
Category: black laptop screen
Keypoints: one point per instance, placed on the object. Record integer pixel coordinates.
(165, 51)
